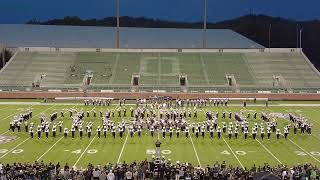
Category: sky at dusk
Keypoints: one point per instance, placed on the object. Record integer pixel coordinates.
(20, 11)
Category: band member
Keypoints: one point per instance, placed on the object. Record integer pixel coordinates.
(262, 133)
(187, 132)
(39, 131)
(230, 133)
(197, 133)
(54, 129)
(219, 132)
(254, 133)
(309, 129)
(295, 128)
(131, 130)
(105, 131)
(80, 132)
(211, 132)
(192, 127)
(203, 130)
(246, 133)
(286, 132)
(65, 131)
(47, 132)
(31, 132)
(236, 132)
(60, 126)
(170, 132)
(113, 131)
(26, 126)
(120, 132)
(224, 127)
(73, 130)
(163, 132)
(139, 132)
(12, 126)
(269, 132)
(89, 132)
(18, 126)
(278, 133)
(151, 131)
(125, 113)
(178, 132)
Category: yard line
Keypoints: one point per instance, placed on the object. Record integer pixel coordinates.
(4, 133)
(303, 150)
(49, 149)
(317, 137)
(14, 148)
(269, 151)
(85, 150)
(233, 153)
(195, 151)
(124, 144)
(4, 108)
(7, 117)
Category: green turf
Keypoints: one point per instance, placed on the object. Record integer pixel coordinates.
(102, 150)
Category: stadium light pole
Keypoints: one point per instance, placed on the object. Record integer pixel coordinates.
(300, 40)
(3, 53)
(297, 46)
(118, 25)
(204, 45)
(269, 37)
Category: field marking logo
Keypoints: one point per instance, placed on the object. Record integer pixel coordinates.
(6, 139)
(153, 152)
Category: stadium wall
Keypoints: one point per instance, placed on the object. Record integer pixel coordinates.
(128, 95)
(52, 49)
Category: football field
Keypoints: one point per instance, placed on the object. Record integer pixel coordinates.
(296, 149)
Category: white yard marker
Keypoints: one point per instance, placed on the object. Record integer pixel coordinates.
(124, 144)
(49, 149)
(195, 151)
(85, 150)
(4, 108)
(269, 151)
(14, 148)
(4, 133)
(7, 117)
(304, 150)
(233, 153)
(317, 137)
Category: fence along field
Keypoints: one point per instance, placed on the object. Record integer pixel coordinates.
(198, 151)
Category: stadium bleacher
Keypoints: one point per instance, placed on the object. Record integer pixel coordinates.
(115, 70)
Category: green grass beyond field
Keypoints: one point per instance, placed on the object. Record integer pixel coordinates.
(296, 149)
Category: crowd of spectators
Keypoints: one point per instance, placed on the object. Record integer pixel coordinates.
(155, 170)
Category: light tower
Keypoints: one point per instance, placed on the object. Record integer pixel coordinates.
(204, 45)
(118, 24)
